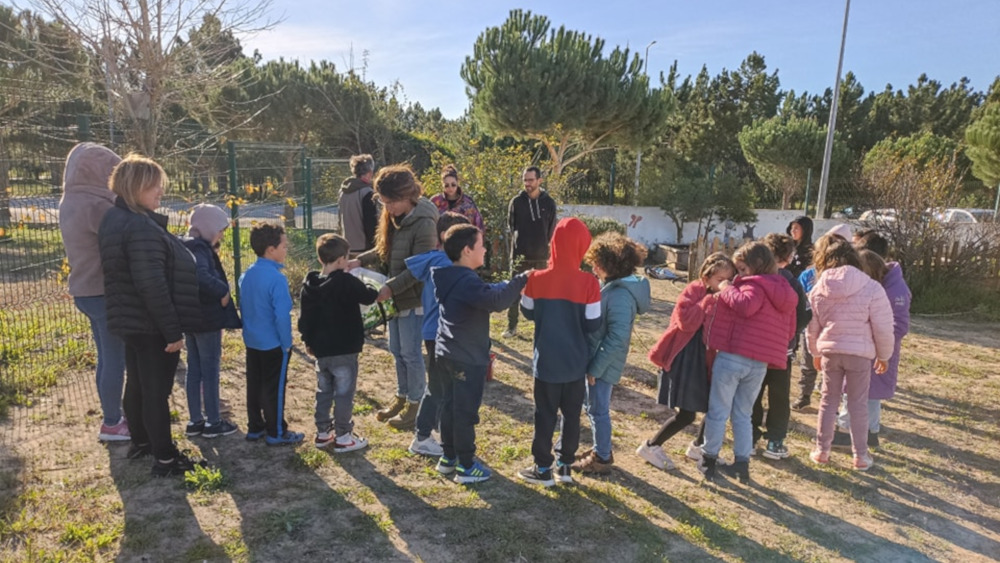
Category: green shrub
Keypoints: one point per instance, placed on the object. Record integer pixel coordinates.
(601, 225)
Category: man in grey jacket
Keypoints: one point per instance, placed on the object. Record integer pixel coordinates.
(358, 213)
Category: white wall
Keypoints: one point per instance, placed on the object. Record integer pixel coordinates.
(649, 225)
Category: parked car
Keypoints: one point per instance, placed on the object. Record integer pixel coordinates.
(954, 215)
(878, 216)
(983, 215)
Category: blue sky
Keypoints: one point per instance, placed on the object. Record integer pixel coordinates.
(423, 44)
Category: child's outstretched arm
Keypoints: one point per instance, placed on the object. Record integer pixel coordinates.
(496, 297)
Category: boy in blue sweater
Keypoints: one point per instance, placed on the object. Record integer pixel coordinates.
(463, 346)
(420, 267)
(565, 303)
(266, 305)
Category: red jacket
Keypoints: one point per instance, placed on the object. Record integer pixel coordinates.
(688, 315)
(755, 318)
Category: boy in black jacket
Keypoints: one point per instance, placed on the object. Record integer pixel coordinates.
(332, 329)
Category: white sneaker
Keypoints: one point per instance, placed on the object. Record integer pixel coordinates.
(427, 446)
(694, 451)
(349, 443)
(655, 456)
(509, 333)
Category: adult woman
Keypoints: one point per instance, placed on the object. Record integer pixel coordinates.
(407, 226)
(451, 198)
(86, 198)
(152, 299)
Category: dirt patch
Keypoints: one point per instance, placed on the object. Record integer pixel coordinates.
(931, 496)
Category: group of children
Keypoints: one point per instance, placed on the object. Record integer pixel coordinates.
(731, 338)
(734, 331)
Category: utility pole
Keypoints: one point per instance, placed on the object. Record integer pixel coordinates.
(638, 156)
(824, 178)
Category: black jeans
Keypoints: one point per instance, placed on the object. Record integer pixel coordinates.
(678, 422)
(429, 415)
(550, 398)
(461, 395)
(147, 392)
(778, 383)
(514, 311)
(266, 371)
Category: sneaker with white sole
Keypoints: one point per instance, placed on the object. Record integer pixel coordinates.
(446, 466)
(324, 439)
(194, 429)
(565, 472)
(537, 476)
(655, 456)
(863, 463)
(428, 447)
(509, 333)
(349, 443)
(475, 473)
(694, 451)
(223, 428)
(775, 450)
(115, 433)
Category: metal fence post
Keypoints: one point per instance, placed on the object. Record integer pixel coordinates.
(307, 209)
(235, 214)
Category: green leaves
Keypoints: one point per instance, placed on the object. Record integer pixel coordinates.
(983, 140)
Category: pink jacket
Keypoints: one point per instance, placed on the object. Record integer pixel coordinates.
(685, 320)
(851, 315)
(754, 318)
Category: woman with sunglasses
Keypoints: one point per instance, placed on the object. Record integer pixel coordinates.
(452, 199)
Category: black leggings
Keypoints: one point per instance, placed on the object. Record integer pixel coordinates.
(678, 422)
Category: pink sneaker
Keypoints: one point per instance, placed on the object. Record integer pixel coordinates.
(820, 457)
(863, 463)
(115, 433)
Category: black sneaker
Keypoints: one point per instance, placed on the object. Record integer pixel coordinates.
(223, 428)
(841, 439)
(180, 465)
(801, 404)
(138, 451)
(872, 439)
(537, 476)
(565, 472)
(194, 429)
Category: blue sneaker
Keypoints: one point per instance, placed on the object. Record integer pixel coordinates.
(286, 439)
(474, 474)
(254, 436)
(446, 466)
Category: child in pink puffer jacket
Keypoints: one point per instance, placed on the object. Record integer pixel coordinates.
(851, 326)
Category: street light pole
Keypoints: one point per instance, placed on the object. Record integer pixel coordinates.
(638, 155)
(824, 178)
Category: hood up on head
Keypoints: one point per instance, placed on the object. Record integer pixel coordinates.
(207, 221)
(89, 165)
(807, 228)
(843, 231)
(570, 242)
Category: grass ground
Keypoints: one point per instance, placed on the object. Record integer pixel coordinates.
(933, 494)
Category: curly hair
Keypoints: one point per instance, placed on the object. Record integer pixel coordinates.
(264, 236)
(393, 183)
(616, 254)
(782, 246)
(832, 251)
(757, 256)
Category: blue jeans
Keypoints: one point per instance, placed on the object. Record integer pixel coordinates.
(874, 415)
(204, 354)
(110, 358)
(337, 379)
(404, 342)
(599, 410)
(736, 381)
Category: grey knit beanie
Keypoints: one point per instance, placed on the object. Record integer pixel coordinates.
(207, 221)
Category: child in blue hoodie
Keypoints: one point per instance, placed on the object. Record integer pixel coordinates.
(613, 258)
(463, 346)
(420, 266)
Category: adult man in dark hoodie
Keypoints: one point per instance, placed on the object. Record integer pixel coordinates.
(531, 218)
(358, 215)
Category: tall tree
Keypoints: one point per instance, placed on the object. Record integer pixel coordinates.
(157, 53)
(983, 140)
(557, 87)
(782, 150)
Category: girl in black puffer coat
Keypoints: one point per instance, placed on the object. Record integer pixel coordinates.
(151, 291)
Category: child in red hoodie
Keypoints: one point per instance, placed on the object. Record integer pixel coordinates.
(751, 326)
(565, 303)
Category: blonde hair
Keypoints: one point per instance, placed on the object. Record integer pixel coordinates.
(133, 175)
(715, 262)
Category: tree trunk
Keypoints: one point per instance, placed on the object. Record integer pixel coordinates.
(5, 217)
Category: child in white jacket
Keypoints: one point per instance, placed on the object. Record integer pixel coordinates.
(851, 326)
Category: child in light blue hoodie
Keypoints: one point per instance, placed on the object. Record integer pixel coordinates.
(614, 258)
(420, 266)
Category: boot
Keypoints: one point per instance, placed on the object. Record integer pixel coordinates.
(392, 410)
(740, 470)
(707, 466)
(407, 418)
